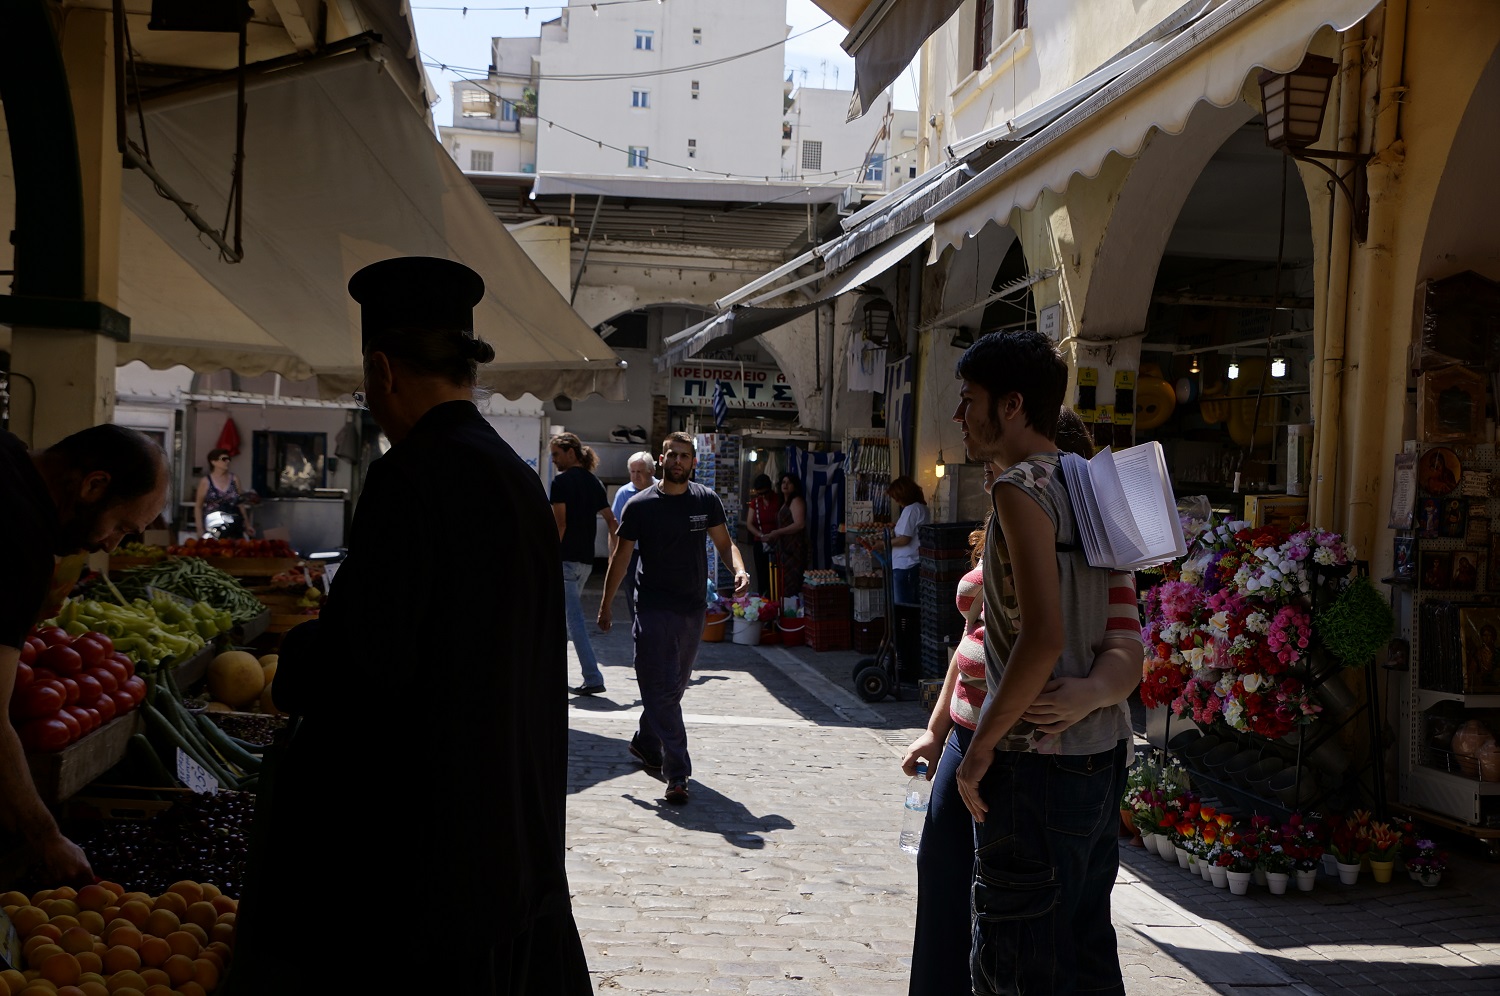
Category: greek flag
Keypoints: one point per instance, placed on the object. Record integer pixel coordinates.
(822, 477)
(721, 403)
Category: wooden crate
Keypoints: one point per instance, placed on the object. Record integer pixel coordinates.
(60, 774)
(111, 803)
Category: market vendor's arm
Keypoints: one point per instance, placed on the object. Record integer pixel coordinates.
(619, 560)
(21, 809)
(1064, 701)
(1029, 538)
(929, 746)
(728, 551)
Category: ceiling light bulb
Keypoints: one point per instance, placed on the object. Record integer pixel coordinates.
(941, 468)
(1278, 367)
(752, 456)
(1194, 368)
(1233, 373)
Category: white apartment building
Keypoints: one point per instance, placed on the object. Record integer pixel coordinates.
(494, 120)
(876, 152)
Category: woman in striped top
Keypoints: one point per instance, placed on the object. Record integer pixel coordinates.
(945, 858)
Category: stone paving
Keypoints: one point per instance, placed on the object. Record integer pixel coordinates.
(782, 877)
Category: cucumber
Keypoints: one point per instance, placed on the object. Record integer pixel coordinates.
(173, 736)
(150, 762)
(227, 745)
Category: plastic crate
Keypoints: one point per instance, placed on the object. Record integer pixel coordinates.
(935, 657)
(827, 602)
(946, 535)
(867, 635)
(869, 604)
(828, 634)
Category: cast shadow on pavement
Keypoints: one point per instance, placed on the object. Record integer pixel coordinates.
(711, 811)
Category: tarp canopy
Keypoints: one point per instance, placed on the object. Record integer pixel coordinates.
(746, 321)
(1210, 60)
(341, 171)
(884, 36)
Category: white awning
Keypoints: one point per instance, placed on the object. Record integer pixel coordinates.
(341, 171)
(1209, 61)
(689, 188)
(746, 321)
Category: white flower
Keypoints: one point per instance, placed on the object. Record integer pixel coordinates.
(1256, 622)
(1218, 623)
(1193, 656)
(1252, 682)
(1191, 576)
(1233, 713)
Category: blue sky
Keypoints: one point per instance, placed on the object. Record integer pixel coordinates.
(451, 37)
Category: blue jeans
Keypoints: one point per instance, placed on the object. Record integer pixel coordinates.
(1044, 865)
(904, 589)
(945, 870)
(574, 576)
(666, 647)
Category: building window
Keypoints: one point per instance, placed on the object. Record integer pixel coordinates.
(640, 98)
(481, 162)
(911, 172)
(643, 40)
(507, 110)
(695, 89)
(477, 103)
(1022, 17)
(697, 36)
(984, 30)
(874, 168)
(692, 148)
(812, 155)
(640, 155)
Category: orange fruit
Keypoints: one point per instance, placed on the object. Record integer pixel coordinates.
(136, 912)
(89, 962)
(26, 919)
(127, 936)
(179, 968)
(91, 921)
(224, 904)
(61, 969)
(14, 898)
(162, 922)
(201, 913)
(205, 973)
(173, 901)
(196, 931)
(41, 953)
(38, 898)
(183, 943)
(94, 897)
(210, 890)
(121, 958)
(156, 977)
(31, 944)
(191, 891)
(14, 980)
(154, 951)
(110, 912)
(59, 907)
(126, 980)
(76, 940)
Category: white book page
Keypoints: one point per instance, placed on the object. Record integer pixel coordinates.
(1125, 541)
(1085, 515)
(1144, 488)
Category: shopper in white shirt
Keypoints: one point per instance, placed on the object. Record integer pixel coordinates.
(905, 558)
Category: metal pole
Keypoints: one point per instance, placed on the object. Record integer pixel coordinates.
(587, 244)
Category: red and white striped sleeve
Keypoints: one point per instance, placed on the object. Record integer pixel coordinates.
(1123, 617)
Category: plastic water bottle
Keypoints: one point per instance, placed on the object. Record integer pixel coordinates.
(918, 791)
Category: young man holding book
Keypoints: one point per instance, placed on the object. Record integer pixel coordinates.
(1044, 797)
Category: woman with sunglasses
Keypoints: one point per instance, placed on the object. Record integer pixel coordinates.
(219, 491)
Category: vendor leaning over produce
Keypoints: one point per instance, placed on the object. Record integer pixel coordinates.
(429, 769)
(83, 494)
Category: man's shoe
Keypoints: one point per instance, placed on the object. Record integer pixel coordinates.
(677, 792)
(651, 762)
(587, 690)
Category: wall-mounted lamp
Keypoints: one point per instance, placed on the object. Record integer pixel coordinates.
(941, 468)
(1278, 367)
(1294, 104)
(1233, 373)
(753, 455)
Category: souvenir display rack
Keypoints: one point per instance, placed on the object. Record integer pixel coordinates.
(719, 470)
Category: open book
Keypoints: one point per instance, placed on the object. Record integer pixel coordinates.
(1123, 507)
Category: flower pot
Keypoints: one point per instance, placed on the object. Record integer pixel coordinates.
(1348, 874)
(1182, 856)
(1430, 878)
(1306, 879)
(1219, 876)
(1205, 870)
(1127, 826)
(1276, 882)
(1381, 870)
(746, 631)
(1165, 847)
(713, 627)
(1259, 877)
(792, 633)
(1239, 882)
(1330, 865)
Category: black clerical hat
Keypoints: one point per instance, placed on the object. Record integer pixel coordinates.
(421, 292)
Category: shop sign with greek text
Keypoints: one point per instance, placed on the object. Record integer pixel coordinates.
(745, 387)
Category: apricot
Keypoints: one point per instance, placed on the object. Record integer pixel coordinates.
(110, 912)
(48, 930)
(191, 891)
(223, 949)
(154, 951)
(203, 914)
(179, 968)
(224, 904)
(128, 936)
(205, 973)
(173, 901)
(38, 898)
(136, 912)
(223, 932)
(61, 969)
(94, 897)
(89, 962)
(41, 953)
(39, 987)
(126, 980)
(14, 980)
(191, 989)
(183, 943)
(196, 931)
(26, 919)
(136, 897)
(155, 977)
(28, 949)
(63, 923)
(121, 958)
(76, 940)
(69, 991)
(59, 907)
(93, 988)
(14, 898)
(158, 989)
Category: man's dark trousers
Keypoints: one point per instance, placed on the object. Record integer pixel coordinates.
(666, 646)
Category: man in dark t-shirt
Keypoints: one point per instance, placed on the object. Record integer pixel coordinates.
(577, 497)
(669, 521)
(85, 493)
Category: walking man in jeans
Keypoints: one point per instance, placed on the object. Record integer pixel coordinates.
(669, 522)
(1044, 803)
(577, 497)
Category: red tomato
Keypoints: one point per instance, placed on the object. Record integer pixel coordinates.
(106, 708)
(47, 734)
(95, 717)
(91, 651)
(54, 635)
(41, 698)
(24, 675)
(136, 686)
(89, 689)
(70, 687)
(37, 646)
(124, 702)
(102, 640)
(88, 720)
(28, 652)
(105, 677)
(62, 659)
(115, 668)
(128, 664)
(75, 729)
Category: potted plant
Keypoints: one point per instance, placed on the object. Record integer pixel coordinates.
(1349, 842)
(1277, 865)
(1384, 850)
(751, 613)
(1427, 864)
(1238, 860)
(1302, 840)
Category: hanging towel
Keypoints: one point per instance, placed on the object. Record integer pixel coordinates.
(229, 438)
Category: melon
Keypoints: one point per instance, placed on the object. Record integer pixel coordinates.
(268, 702)
(268, 665)
(236, 678)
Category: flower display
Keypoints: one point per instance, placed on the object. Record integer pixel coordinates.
(1428, 859)
(1385, 842)
(1149, 788)
(1349, 838)
(1229, 638)
(753, 607)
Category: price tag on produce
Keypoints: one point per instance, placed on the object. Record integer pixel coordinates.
(329, 570)
(193, 775)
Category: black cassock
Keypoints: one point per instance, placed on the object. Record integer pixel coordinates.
(415, 826)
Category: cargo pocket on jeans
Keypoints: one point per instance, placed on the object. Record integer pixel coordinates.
(1079, 796)
(1010, 887)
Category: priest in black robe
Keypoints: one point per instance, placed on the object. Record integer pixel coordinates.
(412, 829)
